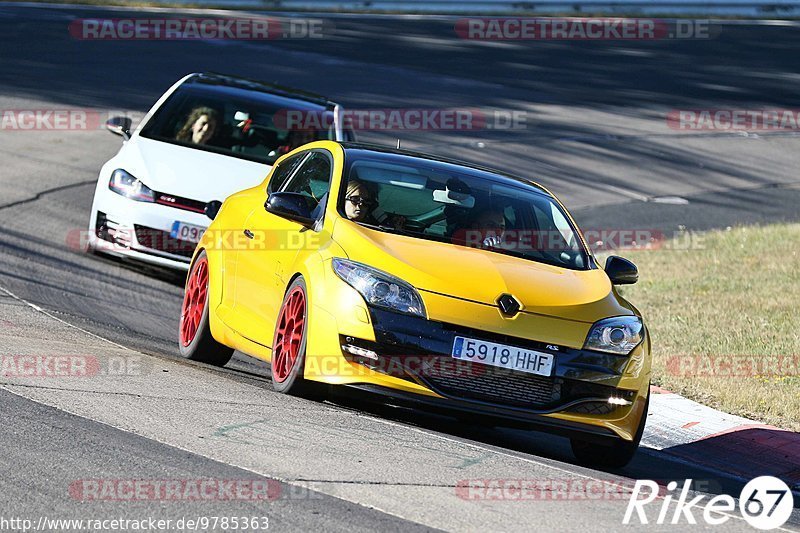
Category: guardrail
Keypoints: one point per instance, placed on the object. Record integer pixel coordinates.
(765, 8)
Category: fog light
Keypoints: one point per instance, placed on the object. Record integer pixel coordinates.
(619, 401)
(361, 352)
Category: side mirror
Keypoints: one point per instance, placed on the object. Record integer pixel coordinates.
(621, 271)
(212, 208)
(120, 126)
(291, 206)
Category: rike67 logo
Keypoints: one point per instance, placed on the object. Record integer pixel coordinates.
(765, 503)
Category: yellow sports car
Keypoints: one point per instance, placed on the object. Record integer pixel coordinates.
(436, 282)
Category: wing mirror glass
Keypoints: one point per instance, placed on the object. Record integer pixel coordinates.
(120, 126)
(621, 271)
(292, 206)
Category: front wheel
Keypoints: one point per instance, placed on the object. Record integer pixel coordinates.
(289, 344)
(615, 455)
(195, 340)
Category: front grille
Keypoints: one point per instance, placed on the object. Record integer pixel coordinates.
(162, 241)
(178, 202)
(593, 408)
(474, 381)
(494, 385)
(417, 350)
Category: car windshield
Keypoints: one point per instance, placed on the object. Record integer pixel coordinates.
(459, 205)
(235, 122)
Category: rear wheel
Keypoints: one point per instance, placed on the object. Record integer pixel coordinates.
(195, 340)
(289, 344)
(615, 455)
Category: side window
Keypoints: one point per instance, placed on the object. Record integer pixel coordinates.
(312, 179)
(563, 227)
(283, 172)
(556, 232)
(511, 215)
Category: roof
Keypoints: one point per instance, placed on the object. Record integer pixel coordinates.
(212, 78)
(356, 148)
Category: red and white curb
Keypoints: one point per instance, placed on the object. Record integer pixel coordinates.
(707, 437)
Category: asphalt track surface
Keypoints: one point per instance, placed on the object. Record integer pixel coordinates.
(596, 135)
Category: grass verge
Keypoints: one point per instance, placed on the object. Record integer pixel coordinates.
(724, 317)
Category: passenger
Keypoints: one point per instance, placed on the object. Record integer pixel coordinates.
(296, 139)
(359, 202)
(200, 126)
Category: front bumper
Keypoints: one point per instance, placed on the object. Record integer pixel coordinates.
(410, 358)
(492, 414)
(141, 231)
(414, 365)
(417, 349)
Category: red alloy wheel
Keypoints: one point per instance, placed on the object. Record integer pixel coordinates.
(289, 334)
(194, 301)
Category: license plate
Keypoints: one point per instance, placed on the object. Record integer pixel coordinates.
(186, 232)
(503, 356)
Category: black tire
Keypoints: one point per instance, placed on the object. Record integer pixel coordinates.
(293, 383)
(617, 454)
(202, 347)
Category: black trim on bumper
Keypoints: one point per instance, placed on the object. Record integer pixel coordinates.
(416, 335)
(163, 241)
(418, 350)
(149, 241)
(496, 415)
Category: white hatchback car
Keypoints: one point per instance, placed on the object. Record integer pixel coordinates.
(206, 138)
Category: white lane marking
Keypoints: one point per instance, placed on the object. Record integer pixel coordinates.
(526, 459)
(625, 192)
(50, 315)
(477, 446)
(288, 482)
(194, 452)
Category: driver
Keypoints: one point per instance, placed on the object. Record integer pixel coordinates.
(485, 230)
(490, 227)
(200, 126)
(296, 139)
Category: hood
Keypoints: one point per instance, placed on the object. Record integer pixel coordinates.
(482, 276)
(189, 173)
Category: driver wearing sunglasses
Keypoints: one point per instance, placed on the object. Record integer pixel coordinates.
(359, 202)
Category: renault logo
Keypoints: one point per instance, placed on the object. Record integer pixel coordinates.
(508, 305)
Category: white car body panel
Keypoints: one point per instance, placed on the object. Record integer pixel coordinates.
(170, 169)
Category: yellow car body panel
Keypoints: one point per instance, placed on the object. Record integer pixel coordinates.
(248, 280)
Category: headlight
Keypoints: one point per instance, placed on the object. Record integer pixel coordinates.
(379, 288)
(123, 183)
(619, 335)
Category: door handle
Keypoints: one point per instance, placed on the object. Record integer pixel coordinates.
(249, 234)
